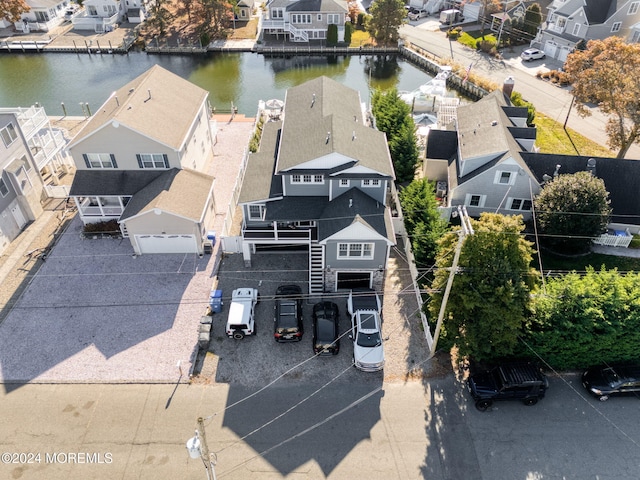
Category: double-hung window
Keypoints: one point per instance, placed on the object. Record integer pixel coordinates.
(362, 251)
(307, 178)
(100, 160)
(520, 204)
(473, 200)
(371, 182)
(4, 191)
(504, 178)
(8, 134)
(256, 212)
(152, 160)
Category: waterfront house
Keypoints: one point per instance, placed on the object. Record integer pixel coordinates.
(43, 15)
(320, 183)
(20, 185)
(141, 160)
(572, 21)
(303, 20)
(487, 161)
(478, 161)
(101, 15)
(245, 9)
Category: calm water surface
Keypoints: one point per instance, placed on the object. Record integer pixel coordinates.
(241, 78)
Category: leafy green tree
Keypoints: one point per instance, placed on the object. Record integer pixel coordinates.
(571, 210)
(348, 29)
(490, 298)
(425, 226)
(13, 9)
(403, 148)
(608, 73)
(518, 101)
(393, 116)
(532, 19)
(386, 18)
(332, 34)
(586, 320)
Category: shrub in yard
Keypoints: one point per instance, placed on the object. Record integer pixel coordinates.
(110, 227)
(487, 46)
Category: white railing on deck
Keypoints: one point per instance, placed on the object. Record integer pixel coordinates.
(614, 238)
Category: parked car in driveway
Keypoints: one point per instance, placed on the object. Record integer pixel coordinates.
(607, 380)
(509, 381)
(287, 320)
(241, 320)
(417, 14)
(326, 328)
(532, 54)
(365, 309)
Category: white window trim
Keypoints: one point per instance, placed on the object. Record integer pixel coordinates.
(576, 30)
(153, 160)
(262, 212)
(345, 184)
(467, 200)
(6, 129)
(301, 180)
(522, 200)
(633, 8)
(615, 28)
(362, 250)
(498, 176)
(3, 183)
(373, 183)
(101, 159)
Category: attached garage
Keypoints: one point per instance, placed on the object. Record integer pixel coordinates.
(166, 244)
(349, 280)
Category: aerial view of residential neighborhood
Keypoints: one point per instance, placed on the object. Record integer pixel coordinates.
(341, 239)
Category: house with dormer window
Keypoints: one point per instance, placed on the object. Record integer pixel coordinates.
(571, 21)
(140, 160)
(319, 182)
(304, 20)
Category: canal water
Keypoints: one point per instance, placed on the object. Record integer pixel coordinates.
(238, 79)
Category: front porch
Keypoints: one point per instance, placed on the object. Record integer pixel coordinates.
(101, 208)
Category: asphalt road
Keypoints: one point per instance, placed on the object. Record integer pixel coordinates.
(301, 430)
(553, 101)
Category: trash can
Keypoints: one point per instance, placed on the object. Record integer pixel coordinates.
(215, 301)
(211, 236)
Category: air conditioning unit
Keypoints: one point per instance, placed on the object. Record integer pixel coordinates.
(441, 189)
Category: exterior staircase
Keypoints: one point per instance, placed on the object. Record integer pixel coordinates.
(316, 268)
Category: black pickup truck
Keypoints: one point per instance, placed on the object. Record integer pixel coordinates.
(512, 381)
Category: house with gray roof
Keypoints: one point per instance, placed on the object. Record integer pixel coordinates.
(488, 162)
(303, 20)
(478, 161)
(140, 160)
(571, 21)
(319, 182)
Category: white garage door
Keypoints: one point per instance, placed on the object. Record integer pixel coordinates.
(166, 243)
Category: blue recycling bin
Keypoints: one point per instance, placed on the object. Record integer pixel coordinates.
(215, 301)
(211, 236)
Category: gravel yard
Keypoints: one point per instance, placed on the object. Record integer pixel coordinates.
(94, 313)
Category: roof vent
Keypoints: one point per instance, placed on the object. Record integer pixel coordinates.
(131, 90)
(313, 100)
(353, 136)
(117, 101)
(149, 97)
(591, 166)
(350, 202)
(494, 123)
(328, 137)
(557, 172)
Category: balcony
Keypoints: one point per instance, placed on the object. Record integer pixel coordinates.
(45, 146)
(279, 232)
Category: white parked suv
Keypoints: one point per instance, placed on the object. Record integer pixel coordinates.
(417, 14)
(366, 330)
(241, 320)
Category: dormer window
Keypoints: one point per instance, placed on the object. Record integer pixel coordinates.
(504, 178)
(307, 178)
(370, 182)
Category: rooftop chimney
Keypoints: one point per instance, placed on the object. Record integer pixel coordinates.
(507, 86)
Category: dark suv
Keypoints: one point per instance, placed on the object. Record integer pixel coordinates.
(511, 381)
(288, 314)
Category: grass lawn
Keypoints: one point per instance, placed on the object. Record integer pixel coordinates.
(579, 264)
(470, 39)
(553, 138)
(245, 30)
(361, 38)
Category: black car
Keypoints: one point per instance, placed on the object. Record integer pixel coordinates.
(510, 381)
(326, 329)
(604, 381)
(288, 314)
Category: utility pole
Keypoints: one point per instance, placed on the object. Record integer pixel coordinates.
(199, 448)
(465, 229)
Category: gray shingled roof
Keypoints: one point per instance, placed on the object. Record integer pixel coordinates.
(183, 192)
(260, 167)
(111, 182)
(310, 5)
(323, 117)
(621, 178)
(158, 104)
